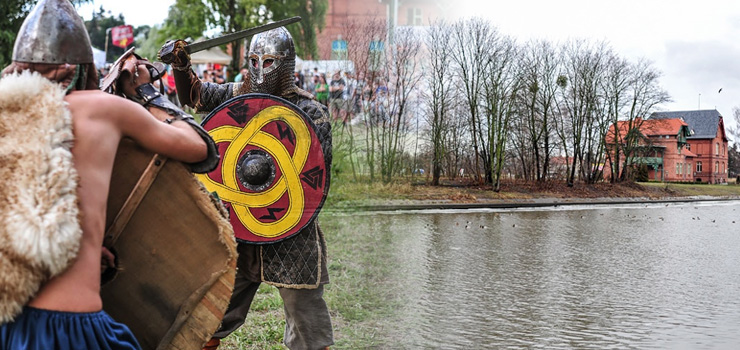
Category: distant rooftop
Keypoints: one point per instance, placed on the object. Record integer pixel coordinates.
(703, 123)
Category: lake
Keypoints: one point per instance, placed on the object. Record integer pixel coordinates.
(638, 276)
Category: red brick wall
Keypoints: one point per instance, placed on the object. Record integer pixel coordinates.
(707, 154)
(342, 12)
(670, 160)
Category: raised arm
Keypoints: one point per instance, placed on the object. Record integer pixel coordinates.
(203, 97)
(172, 132)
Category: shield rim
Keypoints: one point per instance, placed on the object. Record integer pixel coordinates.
(313, 127)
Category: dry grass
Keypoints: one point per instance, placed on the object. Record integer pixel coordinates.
(346, 194)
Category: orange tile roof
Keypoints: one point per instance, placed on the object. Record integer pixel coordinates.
(649, 127)
(662, 126)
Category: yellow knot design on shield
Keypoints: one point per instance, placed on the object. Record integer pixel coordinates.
(290, 167)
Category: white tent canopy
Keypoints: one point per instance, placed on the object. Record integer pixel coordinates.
(212, 55)
(98, 58)
(326, 66)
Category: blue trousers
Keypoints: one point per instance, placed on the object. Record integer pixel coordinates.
(37, 329)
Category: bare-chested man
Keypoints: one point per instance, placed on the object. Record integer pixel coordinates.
(66, 312)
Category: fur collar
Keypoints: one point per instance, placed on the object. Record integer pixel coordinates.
(39, 224)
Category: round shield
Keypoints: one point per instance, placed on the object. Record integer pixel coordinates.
(272, 173)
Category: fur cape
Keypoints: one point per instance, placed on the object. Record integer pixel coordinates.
(39, 217)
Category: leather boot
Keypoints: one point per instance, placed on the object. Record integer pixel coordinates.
(212, 344)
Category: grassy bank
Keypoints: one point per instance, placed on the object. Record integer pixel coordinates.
(358, 268)
(689, 190)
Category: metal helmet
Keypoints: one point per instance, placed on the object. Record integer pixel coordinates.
(53, 33)
(271, 61)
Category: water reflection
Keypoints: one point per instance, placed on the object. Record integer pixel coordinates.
(644, 277)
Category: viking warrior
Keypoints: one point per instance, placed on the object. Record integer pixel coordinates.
(59, 135)
(295, 265)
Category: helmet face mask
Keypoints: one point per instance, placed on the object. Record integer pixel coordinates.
(264, 64)
(271, 61)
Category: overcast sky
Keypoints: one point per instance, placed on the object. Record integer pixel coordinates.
(696, 44)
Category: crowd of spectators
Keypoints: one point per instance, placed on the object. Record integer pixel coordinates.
(350, 98)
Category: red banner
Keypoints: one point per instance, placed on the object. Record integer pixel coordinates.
(122, 36)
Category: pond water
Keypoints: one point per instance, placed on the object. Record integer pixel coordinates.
(656, 276)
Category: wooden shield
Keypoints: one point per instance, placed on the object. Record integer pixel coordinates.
(291, 188)
(176, 252)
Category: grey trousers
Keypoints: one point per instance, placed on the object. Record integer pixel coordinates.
(307, 320)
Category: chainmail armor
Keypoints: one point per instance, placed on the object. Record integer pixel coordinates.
(212, 95)
(277, 82)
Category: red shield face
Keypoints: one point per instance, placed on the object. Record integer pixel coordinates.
(272, 174)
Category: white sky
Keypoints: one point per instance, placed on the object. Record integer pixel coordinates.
(136, 12)
(696, 44)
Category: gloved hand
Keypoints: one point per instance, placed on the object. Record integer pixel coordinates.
(129, 71)
(173, 53)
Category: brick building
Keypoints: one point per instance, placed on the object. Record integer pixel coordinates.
(707, 140)
(663, 149)
(406, 13)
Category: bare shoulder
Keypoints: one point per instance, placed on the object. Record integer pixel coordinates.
(103, 107)
(101, 101)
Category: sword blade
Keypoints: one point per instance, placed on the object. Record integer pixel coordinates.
(207, 44)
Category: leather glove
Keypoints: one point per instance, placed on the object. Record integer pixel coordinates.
(173, 53)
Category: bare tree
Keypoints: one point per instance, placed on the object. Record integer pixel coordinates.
(500, 89)
(403, 77)
(469, 46)
(365, 50)
(735, 131)
(540, 68)
(583, 111)
(616, 94)
(439, 82)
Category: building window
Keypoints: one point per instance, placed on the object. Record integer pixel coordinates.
(688, 146)
(413, 17)
(678, 168)
(698, 167)
(716, 167)
(377, 48)
(339, 49)
(716, 148)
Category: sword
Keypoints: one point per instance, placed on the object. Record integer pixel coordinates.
(166, 54)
